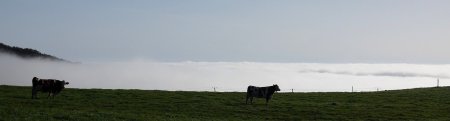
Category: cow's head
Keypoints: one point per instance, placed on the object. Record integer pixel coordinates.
(276, 87)
(63, 82)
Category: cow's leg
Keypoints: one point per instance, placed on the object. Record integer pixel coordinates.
(267, 100)
(33, 93)
(49, 93)
(246, 100)
(36, 94)
(251, 100)
(248, 96)
(53, 95)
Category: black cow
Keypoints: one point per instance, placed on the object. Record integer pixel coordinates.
(52, 86)
(261, 92)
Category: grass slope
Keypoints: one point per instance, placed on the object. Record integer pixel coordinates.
(103, 104)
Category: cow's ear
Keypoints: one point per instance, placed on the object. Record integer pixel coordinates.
(67, 83)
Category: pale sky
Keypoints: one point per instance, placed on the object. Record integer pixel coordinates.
(318, 31)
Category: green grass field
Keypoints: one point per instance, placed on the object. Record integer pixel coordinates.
(104, 104)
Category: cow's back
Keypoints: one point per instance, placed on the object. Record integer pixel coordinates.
(47, 84)
(259, 92)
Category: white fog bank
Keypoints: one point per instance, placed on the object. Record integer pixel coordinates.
(226, 76)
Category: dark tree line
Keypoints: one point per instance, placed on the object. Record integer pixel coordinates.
(26, 52)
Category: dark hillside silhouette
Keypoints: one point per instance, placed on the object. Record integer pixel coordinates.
(26, 53)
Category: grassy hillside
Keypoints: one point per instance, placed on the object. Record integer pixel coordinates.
(26, 53)
(102, 104)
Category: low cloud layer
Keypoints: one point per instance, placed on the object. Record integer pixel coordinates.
(226, 76)
(391, 74)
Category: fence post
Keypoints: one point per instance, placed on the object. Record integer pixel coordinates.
(437, 82)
